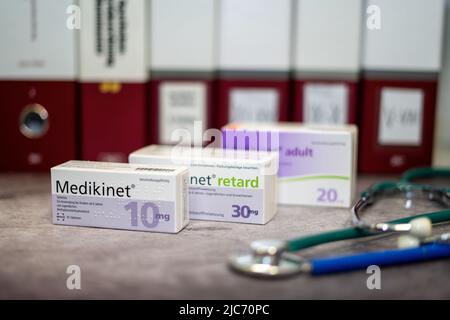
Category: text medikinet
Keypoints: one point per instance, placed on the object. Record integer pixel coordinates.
(93, 189)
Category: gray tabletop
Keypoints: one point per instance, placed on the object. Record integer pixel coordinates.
(190, 265)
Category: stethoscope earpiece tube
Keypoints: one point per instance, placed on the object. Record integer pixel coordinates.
(425, 172)
(427, 252)
(356, 232)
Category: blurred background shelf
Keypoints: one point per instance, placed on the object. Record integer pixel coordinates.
(96, 80)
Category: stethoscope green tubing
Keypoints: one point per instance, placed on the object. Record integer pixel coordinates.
(355, 232)
(407, 180)
(425, 172)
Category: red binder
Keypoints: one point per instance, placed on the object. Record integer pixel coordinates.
(37, 85)
(393, 150)
(182, 63)
(326, 70)
(399, 86)
(113, 79)
(114, 119)
(38, 124)
(254, 58)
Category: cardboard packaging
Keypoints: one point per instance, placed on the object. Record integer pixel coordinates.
(225, 185)
(317, 163)
(120, 196)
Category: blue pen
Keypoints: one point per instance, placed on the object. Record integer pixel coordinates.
(320, 266)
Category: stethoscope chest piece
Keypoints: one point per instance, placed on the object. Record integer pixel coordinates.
(267, 258)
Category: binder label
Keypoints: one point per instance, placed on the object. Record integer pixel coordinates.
(401, 114)
(112, 40)
(181, 104)
(325, 103)
(254, 105)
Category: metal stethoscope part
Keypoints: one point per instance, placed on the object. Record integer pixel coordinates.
(268, 258)
(420, 228)
(34, 121)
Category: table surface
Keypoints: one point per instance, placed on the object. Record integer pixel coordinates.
(192, 264)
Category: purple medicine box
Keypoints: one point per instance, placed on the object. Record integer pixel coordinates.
(317, 164)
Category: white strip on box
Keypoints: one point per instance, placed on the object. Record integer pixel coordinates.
(225, 185)
(120, 196)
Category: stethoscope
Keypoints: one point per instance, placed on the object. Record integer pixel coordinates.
(277, 258)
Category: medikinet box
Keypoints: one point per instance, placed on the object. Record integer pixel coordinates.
(225, 185)
(317, 163)
(120, 196)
